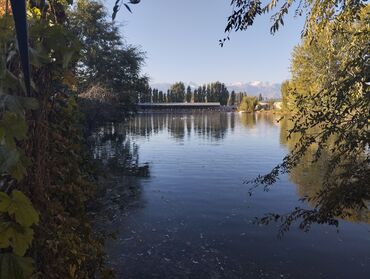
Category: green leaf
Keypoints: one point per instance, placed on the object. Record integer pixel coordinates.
(14, 127)
(4, 202)
(18, 171)
(22, 209)
(21, 240)
(5, 233)
(15, 236)
(8, 159)
(15, 267)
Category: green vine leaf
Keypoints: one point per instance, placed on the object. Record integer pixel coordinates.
(4, 234)
(22, 209)
(14, 126)
(4, 202)
(15, 267)
(18, 171)
(19, 238)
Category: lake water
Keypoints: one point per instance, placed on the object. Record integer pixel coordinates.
(192, 217)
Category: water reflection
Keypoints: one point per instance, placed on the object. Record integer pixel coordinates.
(210, 125)
(117, 160)
(193, 217)
(309, 175)
(116, 151)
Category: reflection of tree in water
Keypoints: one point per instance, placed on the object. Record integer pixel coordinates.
(309, 177)
(119, 172)
(232, 122)
(115, 151)
(212, 125)
(249, 120)
(215, 125)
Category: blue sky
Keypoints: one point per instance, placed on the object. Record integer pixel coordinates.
(181, 37)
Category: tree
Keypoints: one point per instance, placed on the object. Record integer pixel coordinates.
(195, 96)
(232, 98)
(330, 77)
(286, 91)
(101, 44)
(223, 95)
(203, 94)
(169, 96)
(178, 92)
(43, 169)
(248, 104)
(188, 94)
(161, 97)
(318, 13)
(155, 96)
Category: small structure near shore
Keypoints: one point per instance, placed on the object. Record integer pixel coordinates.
(278, 105)
(262, 106)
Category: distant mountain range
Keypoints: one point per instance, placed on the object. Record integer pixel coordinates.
(254, 88)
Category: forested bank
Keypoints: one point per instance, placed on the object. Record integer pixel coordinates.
(47, 180)
(179, 93)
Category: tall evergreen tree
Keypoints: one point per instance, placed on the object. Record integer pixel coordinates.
(160, 97)
(195, 96)
(188, 94)
(232, 98)
(178, 92)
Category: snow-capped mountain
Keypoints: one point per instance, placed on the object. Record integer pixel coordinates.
(162, 86)
(253, 88)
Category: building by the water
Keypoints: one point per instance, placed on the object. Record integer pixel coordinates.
(173, 106)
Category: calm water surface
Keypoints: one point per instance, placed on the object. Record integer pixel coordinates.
(192, 216)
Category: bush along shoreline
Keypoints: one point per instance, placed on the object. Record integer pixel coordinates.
(47, 184)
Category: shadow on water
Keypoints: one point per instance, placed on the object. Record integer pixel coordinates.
(190, 215)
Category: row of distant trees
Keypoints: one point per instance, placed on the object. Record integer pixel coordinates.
(179, 93)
